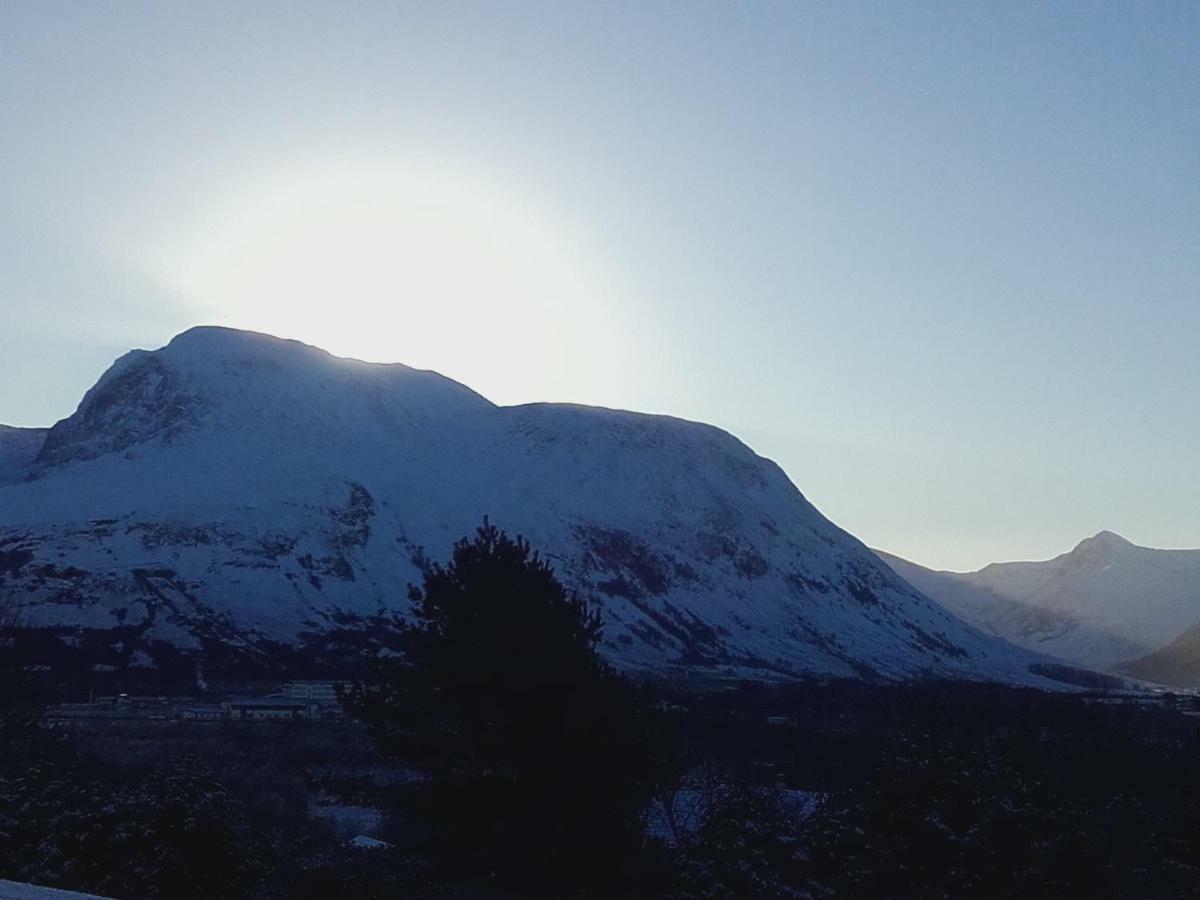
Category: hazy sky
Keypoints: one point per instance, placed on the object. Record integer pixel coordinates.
(940, 261)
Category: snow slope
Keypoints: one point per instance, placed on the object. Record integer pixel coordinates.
(18, 448)
(1105, 602)
(238, 487)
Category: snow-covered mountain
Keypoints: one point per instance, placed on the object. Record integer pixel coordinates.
(1105, 602)
(239, 488)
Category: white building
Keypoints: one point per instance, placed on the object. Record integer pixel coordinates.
(323, 692)
(277, 707)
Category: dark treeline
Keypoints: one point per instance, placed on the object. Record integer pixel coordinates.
(510, 761)
(948, 790)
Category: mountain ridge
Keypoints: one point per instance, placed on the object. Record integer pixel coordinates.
(1101, 604)
(19, 447)
(238, 484)
(1176, 664)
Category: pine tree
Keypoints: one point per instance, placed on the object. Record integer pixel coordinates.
(540, 757)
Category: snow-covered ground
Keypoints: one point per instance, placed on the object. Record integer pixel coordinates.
(12, 890)
(348, 820)
(677, 817)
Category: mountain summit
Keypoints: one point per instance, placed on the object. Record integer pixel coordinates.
(1103, 543)
(241, 382)
(239, 488)
(1105, 602)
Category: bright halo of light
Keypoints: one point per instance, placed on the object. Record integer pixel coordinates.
(422, 270)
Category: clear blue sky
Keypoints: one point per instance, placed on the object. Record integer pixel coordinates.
(941, 261)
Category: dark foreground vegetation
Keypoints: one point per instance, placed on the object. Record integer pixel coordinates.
(504, 759)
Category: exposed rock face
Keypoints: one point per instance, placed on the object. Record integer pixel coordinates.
(141, 399)
(238, 487)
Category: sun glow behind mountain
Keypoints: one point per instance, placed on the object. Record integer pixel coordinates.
(417, 268)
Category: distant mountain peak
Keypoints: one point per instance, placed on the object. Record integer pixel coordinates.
(221, 332)
(221, 340)
(1103, 603)
(243, 382)
(1103, 541)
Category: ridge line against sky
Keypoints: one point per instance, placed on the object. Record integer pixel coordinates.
(938, 262)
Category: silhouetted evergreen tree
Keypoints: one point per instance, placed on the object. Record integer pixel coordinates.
(540, 757)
